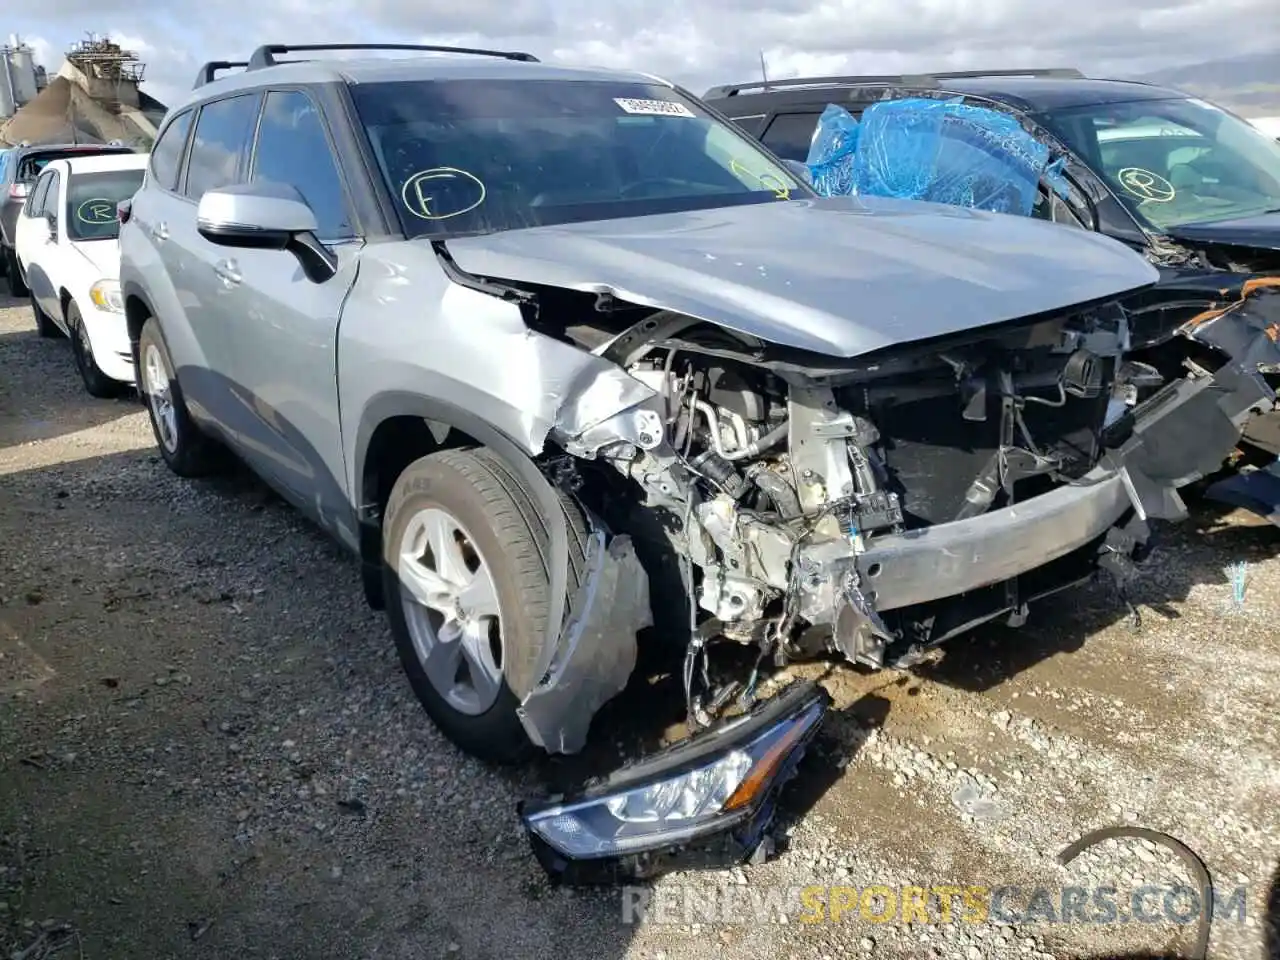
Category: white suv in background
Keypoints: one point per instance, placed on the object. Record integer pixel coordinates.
(68, 248)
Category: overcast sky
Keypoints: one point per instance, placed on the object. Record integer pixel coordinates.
(694, 42)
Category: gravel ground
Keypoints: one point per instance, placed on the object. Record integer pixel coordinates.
(209, 750)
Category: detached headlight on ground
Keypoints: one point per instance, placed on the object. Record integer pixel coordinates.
(105, 295)
(709, 798)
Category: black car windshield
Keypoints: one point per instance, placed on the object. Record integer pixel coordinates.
(480, 156)
(92, 199)
(1175, 162)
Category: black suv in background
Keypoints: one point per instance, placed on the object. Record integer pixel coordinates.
(19, 168)
(1190, 185)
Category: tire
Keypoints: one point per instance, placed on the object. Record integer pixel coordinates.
(187, 451)
(503, 530)
(13, 273)
(45, 326)
(97, 383)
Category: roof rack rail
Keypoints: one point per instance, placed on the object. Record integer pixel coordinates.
(208, 73)
(265, 56)
(909, 79)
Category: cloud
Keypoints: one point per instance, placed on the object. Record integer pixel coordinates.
(698, 42)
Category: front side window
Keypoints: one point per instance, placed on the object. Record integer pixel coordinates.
(1175, 162)
(167, 155)
(220, 148)
(293, 149)
(91, 202)
(478, 156)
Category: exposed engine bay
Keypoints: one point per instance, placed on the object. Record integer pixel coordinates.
(792, 498)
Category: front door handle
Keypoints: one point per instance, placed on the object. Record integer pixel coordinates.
(228, 272)
(160, 231)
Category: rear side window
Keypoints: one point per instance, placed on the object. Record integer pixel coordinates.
(224, 131)
(293, 149)
(751, 125)
(166, 156)
(790, 134)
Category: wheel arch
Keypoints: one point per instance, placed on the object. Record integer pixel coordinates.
(137, 310)
(397, 428)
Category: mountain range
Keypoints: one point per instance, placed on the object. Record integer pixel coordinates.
(1248, 84)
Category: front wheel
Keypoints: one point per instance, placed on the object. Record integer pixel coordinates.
(466, 577)
(97, 383)
(187, 451)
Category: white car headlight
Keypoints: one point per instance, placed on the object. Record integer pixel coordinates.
(105, 295)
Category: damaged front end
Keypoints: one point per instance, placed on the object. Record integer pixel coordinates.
(868, 507)
(1234, 337)
(881, 505)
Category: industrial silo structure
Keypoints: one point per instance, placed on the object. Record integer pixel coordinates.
(22, 62)
(18, 76)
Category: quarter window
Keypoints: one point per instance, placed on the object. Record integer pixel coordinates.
(219, 150)
(49, 199)
(293, 149)
(166, 156)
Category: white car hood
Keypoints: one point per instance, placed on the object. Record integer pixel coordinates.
(104, 255)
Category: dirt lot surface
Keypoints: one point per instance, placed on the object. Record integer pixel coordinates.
(207, 749)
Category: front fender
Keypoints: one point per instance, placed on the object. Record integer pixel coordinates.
(442, 417)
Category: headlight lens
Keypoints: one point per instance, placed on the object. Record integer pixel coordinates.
(706, 795)
(105, 295)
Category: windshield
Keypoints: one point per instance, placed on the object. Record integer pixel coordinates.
(478, 156)
(92, 199)
(31, 164)
(1175, 162)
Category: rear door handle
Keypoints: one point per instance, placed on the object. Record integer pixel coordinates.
(228, 272)
(160, 231)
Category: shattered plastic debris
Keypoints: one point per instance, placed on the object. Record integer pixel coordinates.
(945, 151)
(968, 800)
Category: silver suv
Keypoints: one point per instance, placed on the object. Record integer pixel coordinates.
(562, 357)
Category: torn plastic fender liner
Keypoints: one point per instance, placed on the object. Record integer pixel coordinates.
(589, 659)
(1248, 332)
(596, 652)
(704, 802)
(1214, 411)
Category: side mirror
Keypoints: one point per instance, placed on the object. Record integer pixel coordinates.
(266, 216)
(51, 222)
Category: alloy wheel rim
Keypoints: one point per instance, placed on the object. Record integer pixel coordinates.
(450, 604)
(160, 398)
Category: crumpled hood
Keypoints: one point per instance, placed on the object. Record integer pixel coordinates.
(1261, 231)
(103, 254)
(841, 276)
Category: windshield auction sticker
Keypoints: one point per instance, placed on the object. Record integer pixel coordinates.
(97, 211)
(653, 108)
(442, 192)
(1146, 185)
